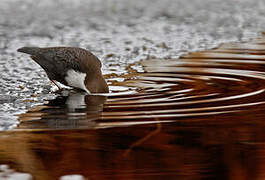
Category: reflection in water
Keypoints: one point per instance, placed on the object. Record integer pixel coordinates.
(9, 174)
(174, 151)
(199, 117)
(74, 111)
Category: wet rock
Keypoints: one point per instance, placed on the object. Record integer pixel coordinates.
(136, 51)
(128, 42)
(163, 45)
(21, 87)
(7, 99)
(110, 55)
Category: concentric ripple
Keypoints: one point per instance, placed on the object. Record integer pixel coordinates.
(202, 86)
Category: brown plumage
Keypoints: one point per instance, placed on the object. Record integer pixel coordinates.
(60, 63)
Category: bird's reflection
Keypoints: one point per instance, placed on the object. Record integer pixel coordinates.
(73, 111)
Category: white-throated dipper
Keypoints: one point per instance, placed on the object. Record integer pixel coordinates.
(71, 66)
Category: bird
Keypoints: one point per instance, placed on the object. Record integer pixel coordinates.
(72, 66)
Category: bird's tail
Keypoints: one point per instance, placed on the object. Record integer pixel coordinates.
(29, 50)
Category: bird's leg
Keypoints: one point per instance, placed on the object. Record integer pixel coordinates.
(56, 84)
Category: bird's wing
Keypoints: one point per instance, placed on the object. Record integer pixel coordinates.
(77, 59)
(62, 59)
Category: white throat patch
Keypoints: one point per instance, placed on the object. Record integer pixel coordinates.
(76, 79)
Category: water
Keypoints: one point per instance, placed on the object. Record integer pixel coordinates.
(169, 115)
(199, 116)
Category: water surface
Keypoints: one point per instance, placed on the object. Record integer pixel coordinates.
(199, 116)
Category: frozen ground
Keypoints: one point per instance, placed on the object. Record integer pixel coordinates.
(117, 31)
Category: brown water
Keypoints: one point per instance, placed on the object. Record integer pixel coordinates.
(197, 117)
